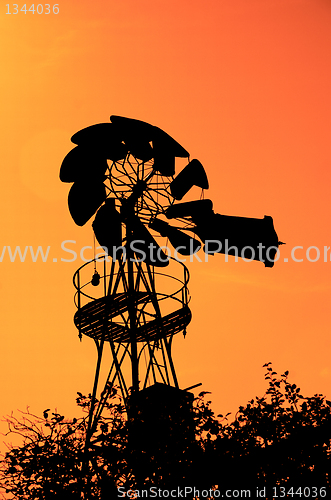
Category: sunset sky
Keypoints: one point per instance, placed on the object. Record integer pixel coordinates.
(244, 86)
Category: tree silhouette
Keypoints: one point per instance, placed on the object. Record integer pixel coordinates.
(281, 438)
(49, 462)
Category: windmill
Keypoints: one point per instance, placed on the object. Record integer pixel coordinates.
(134, 298)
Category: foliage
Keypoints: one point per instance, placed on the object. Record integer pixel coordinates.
(281, 438)
(49, 463)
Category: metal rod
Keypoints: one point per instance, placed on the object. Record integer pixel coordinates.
(79, 322)
(111, 276)
(165, 363)
(132, 312)
(166, 343)
(192, 387)
(95, 386)
(172, 368)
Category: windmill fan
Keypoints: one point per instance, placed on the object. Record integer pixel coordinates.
(124, 171)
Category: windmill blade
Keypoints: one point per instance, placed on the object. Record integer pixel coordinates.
(80, 163)
(164, 163)
(196, 209)
(107, 227)
(144, 131)
(116, 151)
(184, 244)
(145, 246)
(95, 135)
(102, 138)
(164, 143)
(253, 239)
(166, 149)
(140, 149)
(192, 175)
(131, 128)
(138, 134)
(85, 197)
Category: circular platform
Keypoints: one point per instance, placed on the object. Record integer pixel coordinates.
(98, 318)
(146, 305)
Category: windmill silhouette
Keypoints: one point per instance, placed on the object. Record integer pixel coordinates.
(123, 172)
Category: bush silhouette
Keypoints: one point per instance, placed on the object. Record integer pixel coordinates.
(281, 439)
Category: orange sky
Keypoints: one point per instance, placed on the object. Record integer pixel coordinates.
(244, 86)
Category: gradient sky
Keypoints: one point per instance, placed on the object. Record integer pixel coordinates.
(244, 86)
